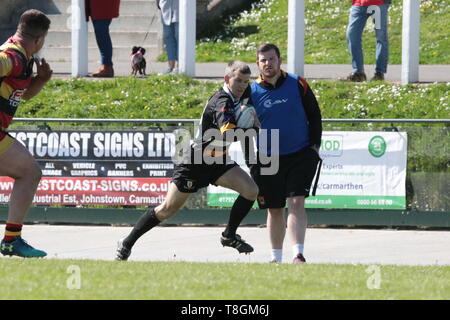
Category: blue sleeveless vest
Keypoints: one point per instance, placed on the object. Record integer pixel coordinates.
(282, 109)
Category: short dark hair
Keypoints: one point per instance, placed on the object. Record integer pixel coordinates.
(234, 65)
(33, 24)
(267, 47)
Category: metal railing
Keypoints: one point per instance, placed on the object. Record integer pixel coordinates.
(427, 159)
(87, 120)
(84, 120)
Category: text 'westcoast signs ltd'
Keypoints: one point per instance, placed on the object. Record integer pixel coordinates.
(98, 167)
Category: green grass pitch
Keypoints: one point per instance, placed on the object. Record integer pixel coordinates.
(91, 279)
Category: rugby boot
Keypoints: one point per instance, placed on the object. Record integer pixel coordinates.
(237, 243)
(21, 248)
(299, 259)
(122, 252)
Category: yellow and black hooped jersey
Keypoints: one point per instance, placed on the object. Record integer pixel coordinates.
(15, 78)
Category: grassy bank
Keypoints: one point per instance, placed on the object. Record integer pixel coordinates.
(325, 34)
(175, 97)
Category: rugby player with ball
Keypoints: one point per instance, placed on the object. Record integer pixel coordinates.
(229, 107)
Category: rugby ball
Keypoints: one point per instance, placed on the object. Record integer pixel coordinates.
(246, 117)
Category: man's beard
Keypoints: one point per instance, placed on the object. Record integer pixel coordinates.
(270, 73)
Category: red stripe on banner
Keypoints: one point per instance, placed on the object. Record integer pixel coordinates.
(94, 191)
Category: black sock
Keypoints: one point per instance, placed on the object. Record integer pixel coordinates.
(240, 209)
(146, 222)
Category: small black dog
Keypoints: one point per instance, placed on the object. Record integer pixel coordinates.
(138, 63)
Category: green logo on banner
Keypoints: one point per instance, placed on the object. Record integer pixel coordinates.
(377, 146)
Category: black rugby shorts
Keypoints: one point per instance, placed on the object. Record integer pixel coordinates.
(294, 178)
(192, 177)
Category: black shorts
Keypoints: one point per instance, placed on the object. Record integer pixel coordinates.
(192, 177)
(294, 178)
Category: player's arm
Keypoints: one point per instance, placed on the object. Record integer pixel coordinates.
(227, 123)
(5, 64)
(225, 118)
(313, 114)
(44, 74)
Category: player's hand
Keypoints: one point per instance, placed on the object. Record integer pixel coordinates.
(257, 123)
(44, 72)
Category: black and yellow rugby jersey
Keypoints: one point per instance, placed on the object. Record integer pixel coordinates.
(220, 115)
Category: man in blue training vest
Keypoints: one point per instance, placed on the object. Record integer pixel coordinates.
(285, 102)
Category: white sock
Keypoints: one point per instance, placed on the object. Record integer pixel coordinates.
(277, 255)
(297, 248)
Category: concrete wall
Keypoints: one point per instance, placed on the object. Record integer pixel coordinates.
(13, 9)
(210, 19)
(210, 14)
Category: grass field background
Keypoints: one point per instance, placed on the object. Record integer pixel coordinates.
(180, 97)
(325, 33)
(89, 279)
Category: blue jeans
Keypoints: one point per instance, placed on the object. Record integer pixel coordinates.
(170, 38)
(357, 22)
(101, 28)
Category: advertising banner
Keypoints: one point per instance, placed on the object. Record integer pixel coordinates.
(360, 170)
(98, 167)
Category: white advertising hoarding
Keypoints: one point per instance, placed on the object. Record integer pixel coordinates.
(360, 170)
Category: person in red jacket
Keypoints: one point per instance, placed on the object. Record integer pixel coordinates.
(360, 11)
(101, 13)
